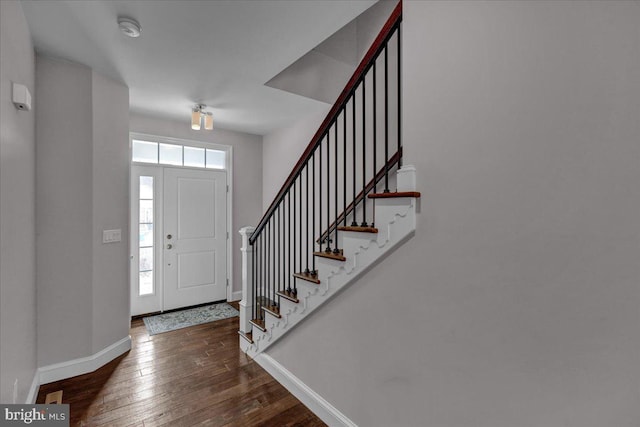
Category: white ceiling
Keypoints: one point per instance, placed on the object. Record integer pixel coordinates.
(219, 53)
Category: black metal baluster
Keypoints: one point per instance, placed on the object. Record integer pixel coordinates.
(274, 262)
(276, 254)
(253, 275)
(354, 223)
(273, 259)
(259, 312)
(399, 101)
(289, 243)
(272, 255)
(307, 248)
(364, 152)
(335, 145)
(344, 164)
(386, 120)
(295, 264)
(328, 250)
(300, 213)
(256, 272)
(375, 129)
(269, 254)
(266, 272)
(258, 278)
(262, 241)
(279, 252)
(313, 220)
(284, 246)
(320, 193)
(375, 138)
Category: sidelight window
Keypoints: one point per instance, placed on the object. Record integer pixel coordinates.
(146, 244)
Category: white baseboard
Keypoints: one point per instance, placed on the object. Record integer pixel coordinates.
(35, 387)
(323, 409)
(83, 365)
(237, 296)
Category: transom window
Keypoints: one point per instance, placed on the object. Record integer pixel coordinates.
(177, 155)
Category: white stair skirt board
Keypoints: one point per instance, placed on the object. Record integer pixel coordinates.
(312, 400)
(396, 223)
(83, 365)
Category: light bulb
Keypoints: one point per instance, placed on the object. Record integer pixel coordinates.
(208, 121)
(195, 119)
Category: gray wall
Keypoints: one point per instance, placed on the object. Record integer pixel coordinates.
(17, 209)
(110, 193)
(82, 183)
(281, 151)
(64, 217)
(516, 302)
(247, 171)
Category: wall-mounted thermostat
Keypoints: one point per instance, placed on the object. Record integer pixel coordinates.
(21, 97)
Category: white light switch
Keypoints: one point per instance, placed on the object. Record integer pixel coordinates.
(111, 236)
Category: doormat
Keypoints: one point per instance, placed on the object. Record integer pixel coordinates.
(184, 318)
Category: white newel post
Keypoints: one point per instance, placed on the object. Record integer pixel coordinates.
(407, 178)
(246, 305)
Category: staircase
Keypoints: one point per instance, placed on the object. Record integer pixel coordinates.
(335, 216)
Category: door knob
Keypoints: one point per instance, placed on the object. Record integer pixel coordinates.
(169, 246)
(169, 236)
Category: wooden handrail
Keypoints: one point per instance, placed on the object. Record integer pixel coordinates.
(379, 43)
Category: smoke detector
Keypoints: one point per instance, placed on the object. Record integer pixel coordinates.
(129, 27)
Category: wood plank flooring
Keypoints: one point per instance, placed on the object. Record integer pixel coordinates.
(195, 376)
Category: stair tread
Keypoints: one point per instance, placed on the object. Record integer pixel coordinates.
(259, 323)
(392, 195)
(289, 296)
(331, 255)
(358, 228)
(307, 276)
(248, 336)
(273, 310)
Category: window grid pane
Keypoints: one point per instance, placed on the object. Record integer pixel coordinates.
(145, 283)
(146, 211)
(146, 259)
(144, 151)
(146, 235)
(146, 188)
(171, 154)
(194, 157)
(216, 159)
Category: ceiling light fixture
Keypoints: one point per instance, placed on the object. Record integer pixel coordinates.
(197, 115)
(129, 26)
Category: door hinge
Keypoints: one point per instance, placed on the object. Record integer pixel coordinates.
(227, 235)
(227, 283)
(227, 188)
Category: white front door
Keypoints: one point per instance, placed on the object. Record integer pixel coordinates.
(179, 232)
(194, 237)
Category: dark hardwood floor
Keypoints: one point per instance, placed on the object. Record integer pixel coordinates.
(195, 376)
